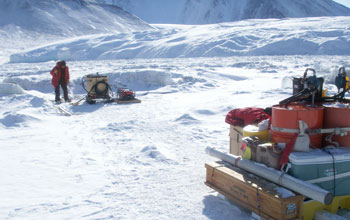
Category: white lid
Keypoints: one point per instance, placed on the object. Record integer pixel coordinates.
(318, 156)
(251, 128)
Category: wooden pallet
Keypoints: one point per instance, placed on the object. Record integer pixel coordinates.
(255, 194)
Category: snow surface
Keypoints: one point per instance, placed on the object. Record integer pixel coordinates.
(140, 161)
(343, 2)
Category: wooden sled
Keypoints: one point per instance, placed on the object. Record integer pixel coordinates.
(255, 194)
(128, 101)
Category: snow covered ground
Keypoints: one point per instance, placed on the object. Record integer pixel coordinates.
(137, 161)
(140, 161)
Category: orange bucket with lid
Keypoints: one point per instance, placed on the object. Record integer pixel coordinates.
(337, 117)
(287, 118)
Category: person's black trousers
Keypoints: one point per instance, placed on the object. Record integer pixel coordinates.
(65, 91)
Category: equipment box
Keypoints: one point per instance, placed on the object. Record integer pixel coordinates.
(97, 85)
(260, 196)
(236, 134)
(329, 169)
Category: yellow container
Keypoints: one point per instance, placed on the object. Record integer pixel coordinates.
(311, 207)
(253, 130)
(247, 153)
(324, 92)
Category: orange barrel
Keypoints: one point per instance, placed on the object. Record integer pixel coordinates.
(288, 119)
(337, 117)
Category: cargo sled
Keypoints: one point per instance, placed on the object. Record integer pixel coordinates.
(301, 150)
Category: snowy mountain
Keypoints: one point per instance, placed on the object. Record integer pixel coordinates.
(40, 24)
(215, 11)
(30, 23)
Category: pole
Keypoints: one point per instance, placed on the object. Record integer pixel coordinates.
(307, 189)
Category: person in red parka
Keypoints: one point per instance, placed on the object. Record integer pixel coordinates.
(60, 77)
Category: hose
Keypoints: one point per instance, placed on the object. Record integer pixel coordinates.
(95, 87)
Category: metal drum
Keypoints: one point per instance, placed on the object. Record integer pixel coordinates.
(285, 122)
(338, 117)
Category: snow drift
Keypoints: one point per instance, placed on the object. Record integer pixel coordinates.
(312, 36)
(10, 89)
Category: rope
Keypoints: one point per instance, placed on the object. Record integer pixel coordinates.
(334, 173)
(77, 102)
(336, 131)
(280, 178)
(237, 160)
(286, 130)
(258, 200)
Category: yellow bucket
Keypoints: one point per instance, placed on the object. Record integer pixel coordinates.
(253, 130)
(247, 153)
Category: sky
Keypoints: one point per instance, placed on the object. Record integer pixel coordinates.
(344, 2)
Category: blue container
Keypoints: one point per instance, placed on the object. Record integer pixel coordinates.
(328, 169)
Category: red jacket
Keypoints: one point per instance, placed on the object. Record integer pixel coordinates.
(245, 116)
(56, 77)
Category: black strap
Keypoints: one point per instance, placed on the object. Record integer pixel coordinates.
(334, 170)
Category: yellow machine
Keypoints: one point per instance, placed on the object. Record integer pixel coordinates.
(97, 87)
